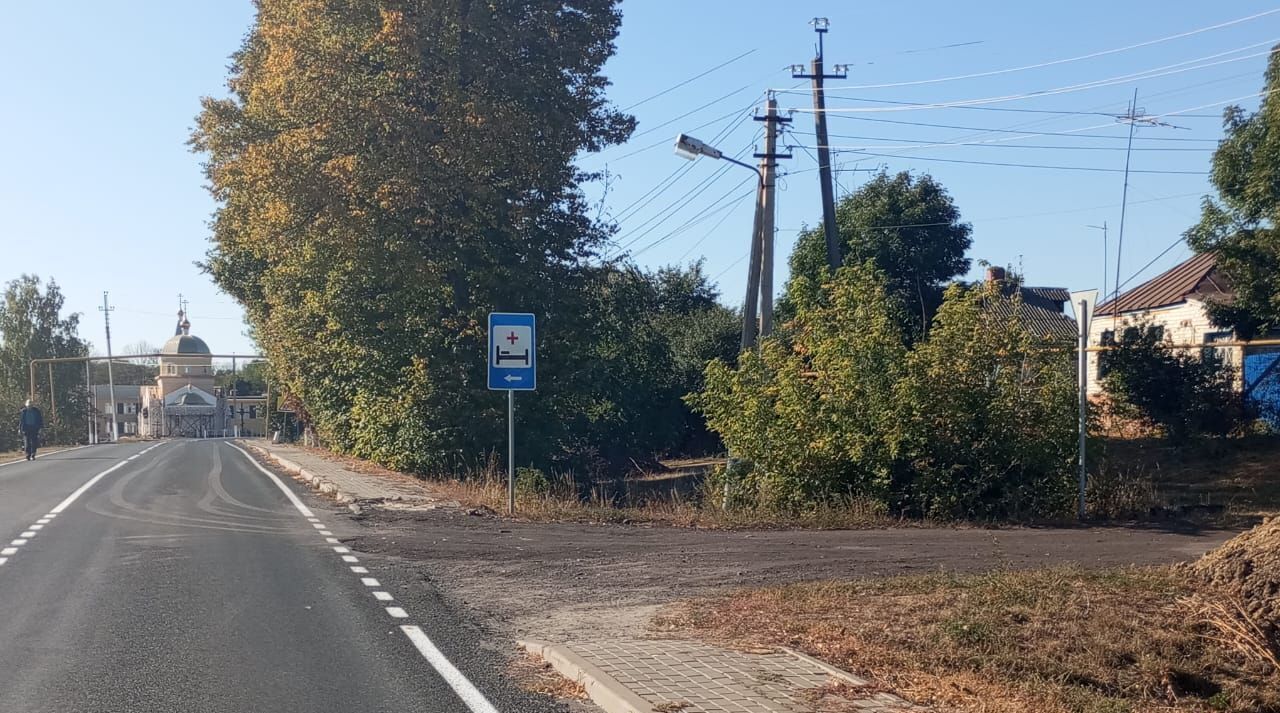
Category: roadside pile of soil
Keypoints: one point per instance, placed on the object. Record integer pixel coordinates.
(1246, 569)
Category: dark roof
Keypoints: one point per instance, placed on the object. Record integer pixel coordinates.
(185, 344)
(1166, 289)
(1041, 310)
(191, 398)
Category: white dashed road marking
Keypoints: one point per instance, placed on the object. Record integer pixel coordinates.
(463, 687)
(9, 551)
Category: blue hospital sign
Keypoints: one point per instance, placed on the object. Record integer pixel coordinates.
(512, 352)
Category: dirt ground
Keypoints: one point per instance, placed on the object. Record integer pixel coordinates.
(569, 582)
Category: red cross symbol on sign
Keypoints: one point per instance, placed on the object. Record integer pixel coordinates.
(512, 338)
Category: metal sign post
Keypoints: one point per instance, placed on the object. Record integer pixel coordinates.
(513, 360)
(1083, 302)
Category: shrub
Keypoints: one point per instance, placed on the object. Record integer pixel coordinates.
(1185, 395)
(977, 420)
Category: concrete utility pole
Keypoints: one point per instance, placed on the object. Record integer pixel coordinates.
(88, 397)
(769, 208)
(107, 309)
(820, 26)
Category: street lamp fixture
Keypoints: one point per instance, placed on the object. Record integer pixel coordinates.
(690, 148)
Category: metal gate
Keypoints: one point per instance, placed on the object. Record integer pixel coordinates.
(1262, 382)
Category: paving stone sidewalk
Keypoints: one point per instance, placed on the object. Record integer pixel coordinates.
(347, 485)
(659, 675)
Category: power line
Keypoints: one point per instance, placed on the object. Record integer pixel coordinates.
(675, 176)
(1016, 110)
(1096, 169)
(707, 214)
(711, 232)
(677, 210)
(1176, 68)
(986, 144)
(1039, 65)
(1016, 131)
(667, 142)
(1146, 118)
(687, 81)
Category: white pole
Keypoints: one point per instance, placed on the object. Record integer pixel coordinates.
(511, 452)
(88, 397)
(1083, 362)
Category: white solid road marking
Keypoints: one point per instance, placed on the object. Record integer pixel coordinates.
(397, 613)
(360, 570)
(9, 551)
(342, 550)
(383, 597)
(369, 582)
(350, 558)
(306, 512)
(469, 694)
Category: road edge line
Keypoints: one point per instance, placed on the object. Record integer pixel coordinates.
(293, 497)
(461, 685)
(603, 690)
(50, 453)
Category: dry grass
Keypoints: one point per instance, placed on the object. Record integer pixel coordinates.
(1059, 640)
(537, 676)
(561, 503)
(1228, 482)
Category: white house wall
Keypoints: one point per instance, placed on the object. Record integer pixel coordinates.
(1184, 323)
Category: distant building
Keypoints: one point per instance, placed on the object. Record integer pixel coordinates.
(1175, 304)
(127, 408)
(185, 400)
(1041, 310)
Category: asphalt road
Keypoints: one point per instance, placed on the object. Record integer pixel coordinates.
(179, 576)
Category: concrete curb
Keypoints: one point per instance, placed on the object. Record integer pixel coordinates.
(602, 689)
(831, 670)
(300, 473)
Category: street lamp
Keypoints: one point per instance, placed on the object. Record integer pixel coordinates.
(690, 148)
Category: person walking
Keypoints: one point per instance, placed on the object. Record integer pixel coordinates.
(30, 421)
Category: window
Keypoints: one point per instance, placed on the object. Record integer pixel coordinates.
(119, 408)
(172, 369)
(253, 412)
(1108, 339)
(1225, 354)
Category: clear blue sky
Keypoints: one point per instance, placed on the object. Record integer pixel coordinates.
(98, 190)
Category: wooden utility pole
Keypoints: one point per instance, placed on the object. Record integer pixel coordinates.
(816, 73)
(769, 208)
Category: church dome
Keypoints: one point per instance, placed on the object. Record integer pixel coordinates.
(183, 342)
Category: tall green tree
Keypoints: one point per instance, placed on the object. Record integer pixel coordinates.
(32, 326)
(1239, 225)
(909, 228)
(389, 171)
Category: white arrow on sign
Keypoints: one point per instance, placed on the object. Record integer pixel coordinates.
(512, 377)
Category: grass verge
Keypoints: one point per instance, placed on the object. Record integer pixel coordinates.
(1060, 640)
